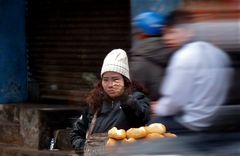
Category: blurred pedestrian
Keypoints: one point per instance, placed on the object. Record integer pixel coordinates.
(197, 79)
(149, 56)
(116, 101)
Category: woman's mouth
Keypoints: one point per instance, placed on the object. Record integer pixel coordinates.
(111, 91)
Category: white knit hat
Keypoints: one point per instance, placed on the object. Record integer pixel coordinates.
(116, 61)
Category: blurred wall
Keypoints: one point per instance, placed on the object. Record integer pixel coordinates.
(13, 68)
(161, 6)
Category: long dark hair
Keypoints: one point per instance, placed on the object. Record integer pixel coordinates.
(97, 95)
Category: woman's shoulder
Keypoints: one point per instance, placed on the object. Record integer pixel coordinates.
(87, 111)
(138, 94)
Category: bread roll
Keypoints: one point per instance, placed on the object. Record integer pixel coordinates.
(155, 128)
(114, 133)
(128, 141)
(136, 133)
(170, 135)
(154, 136)
(111, 142)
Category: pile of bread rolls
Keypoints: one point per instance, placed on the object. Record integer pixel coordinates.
(151, 132)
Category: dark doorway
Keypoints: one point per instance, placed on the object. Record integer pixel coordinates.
(67, 41)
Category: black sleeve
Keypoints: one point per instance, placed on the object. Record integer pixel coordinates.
(137, 108)
(78, 132)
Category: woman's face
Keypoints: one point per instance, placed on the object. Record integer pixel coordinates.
(113, 84)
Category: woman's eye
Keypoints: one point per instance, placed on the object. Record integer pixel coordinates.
(116, 79)
(105, 80)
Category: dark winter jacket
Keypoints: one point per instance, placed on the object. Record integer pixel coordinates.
(127, 112)
(148, 59)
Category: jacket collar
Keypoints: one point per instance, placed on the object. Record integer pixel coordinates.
(108, 106)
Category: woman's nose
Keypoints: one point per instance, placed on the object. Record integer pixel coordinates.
(110, 83)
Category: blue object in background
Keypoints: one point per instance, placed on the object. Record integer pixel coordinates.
(13, 61)
(163, 7)
(150, 23)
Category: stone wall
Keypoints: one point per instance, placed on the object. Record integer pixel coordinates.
(10, 125)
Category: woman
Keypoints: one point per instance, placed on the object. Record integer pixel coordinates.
(115, 102)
